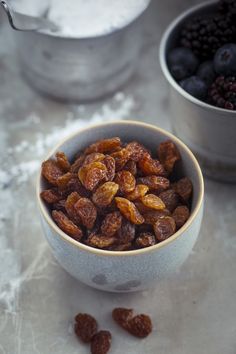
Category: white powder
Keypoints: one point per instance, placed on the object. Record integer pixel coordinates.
(86, 18)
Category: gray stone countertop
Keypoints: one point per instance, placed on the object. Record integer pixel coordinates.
(193, 312)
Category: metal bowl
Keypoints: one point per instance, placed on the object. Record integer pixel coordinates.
(208, 131)
(80, 68)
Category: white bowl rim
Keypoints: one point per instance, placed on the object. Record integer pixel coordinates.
(100, 252)
(163, 61)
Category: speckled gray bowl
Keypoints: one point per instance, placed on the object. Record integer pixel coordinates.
(208, 131)
(130, 270)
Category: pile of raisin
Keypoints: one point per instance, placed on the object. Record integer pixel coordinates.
(117, 196)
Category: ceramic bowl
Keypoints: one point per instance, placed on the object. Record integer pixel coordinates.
(129, 270)
(208, 131)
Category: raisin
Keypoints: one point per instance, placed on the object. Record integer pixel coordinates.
(145, 240)
(110, 164)
(141, 207)
(63, 180)
(51, 171)
(126, 181)
(111, 224)
(101, 342)
(131, 166)
(121, 158)
(74, 185)
(62, 161)
(140, 326)
(184, 188)
(86, 211)
(153, 202)
(104, 195)
(170, 199)
(129, 210)
(71, 200)
(106, 145)
(168, 155)
(77, 164)
(85, 327)
(126, 233)
(122, 316)
(100, 241)
(50, 196)
(164, 228)
(59, 206)
(139, 192)
(155, 183)
(181, 215)
(90, 175)
(121, 247)
(136, 150)
(67, 225)
(150, 166)
(151, 216)
(93, 157)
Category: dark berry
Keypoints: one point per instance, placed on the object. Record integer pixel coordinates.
(195, 87)
(182, 63)
(206, 72)
(222, 92)
(225, 60)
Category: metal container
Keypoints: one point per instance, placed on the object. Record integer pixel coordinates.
(208, 131)
(80, 68)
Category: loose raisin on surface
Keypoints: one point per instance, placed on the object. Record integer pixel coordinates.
(150, 166)
(126, 233)
(168, 155)
(78, 163)
(155, 183)
(140, 326)
(85, 327)
(145, 240)
(100, 241)
(139, 191)
(110, 164)
(170, 199)
(90, 175)
(164, 228)
(101, 342)
(71, 200)
(131, 166)
(122, 316)
(181, 215)
(121, 158)
(104, 195)
(184, 188)
(111, 224)
(67, 225)
(86, 211)
(62, 161)
(63, 180)
(104, 146)
(50, 196)
(126, 181)
(153, 202)
(136, 150)
(129, 210)
(151, 216)
(51, 171)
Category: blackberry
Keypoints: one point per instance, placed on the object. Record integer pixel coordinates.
(228, 7)
(204, 35)
(222, 92)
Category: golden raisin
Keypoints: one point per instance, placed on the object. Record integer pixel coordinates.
(164, 228)
(110, 164)
(86, 211)
(67, 225)
(136, 150)
(131, 166)
(90, 175)
(139, 192)
(155, 183)
(93, 157)
(129, 210)
(85, 327)
(150, 166)
(153, 202)
(63, 180)
(145, 239)
(168, 155)
(121, 158)
(104, 146)
(77, 164)
(126, 181)
(170, 199)
(181, 215)
(62, 161)
(50, 196)
(104, 195)
(101, 343)
(100, 241)
(111, 224)
(71, 200)
(122, 316)
(140, 326)
(51, 171)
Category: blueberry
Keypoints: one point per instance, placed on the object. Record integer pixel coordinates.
(206, 72)
(195, 87)
(182, 63)
(225, 60)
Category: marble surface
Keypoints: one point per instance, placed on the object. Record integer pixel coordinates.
(193, 312)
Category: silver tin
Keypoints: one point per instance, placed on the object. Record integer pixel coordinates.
(80, 68)
(210, 132)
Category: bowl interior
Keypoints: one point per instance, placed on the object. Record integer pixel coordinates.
(148, 135)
